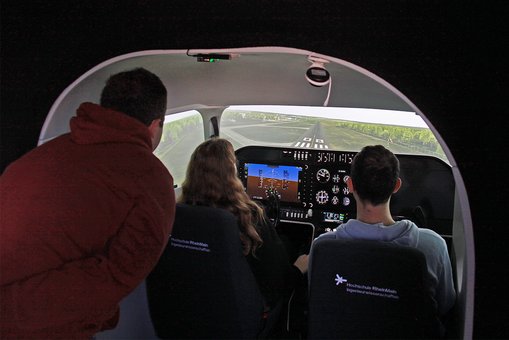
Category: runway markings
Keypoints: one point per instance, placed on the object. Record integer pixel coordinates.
(310, 144)
(321, 146)
(316, 141)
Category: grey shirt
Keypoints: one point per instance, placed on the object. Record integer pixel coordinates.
(406, 233)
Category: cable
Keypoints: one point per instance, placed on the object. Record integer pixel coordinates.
(326, 102)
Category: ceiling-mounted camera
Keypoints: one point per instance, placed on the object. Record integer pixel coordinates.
(316, 74)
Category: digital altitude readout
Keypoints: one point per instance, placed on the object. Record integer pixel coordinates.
(334, 157)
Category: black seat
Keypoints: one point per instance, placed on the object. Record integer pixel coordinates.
(366, 289)
(202, 286)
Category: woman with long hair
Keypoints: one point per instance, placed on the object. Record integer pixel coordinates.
(212, 180)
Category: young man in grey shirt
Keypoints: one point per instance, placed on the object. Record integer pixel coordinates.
(374, 178)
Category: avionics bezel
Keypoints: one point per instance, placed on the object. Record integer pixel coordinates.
(257, 192)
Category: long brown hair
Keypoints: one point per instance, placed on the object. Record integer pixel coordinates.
(211, 179)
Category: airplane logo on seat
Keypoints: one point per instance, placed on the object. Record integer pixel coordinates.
(339, 280)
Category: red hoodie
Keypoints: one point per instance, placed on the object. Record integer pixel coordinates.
(83, 220)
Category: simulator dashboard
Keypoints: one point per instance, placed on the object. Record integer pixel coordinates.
(304, 182)
(310, 187)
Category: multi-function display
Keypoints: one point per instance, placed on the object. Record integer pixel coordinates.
(264, 180)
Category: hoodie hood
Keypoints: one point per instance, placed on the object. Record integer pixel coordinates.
(95, 124)
(403, 232)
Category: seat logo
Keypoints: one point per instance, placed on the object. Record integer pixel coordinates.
(339, 280)
(366, 289)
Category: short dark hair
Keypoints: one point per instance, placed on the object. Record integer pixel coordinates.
(138, 93)
(375, 171)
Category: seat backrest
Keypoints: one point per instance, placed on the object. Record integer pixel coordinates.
(202, 286)
(367, 289)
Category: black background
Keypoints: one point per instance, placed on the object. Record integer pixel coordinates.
(448, 58)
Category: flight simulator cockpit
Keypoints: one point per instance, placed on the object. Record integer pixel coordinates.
(305, 189)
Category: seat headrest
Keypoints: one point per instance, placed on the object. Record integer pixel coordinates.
(204, 228)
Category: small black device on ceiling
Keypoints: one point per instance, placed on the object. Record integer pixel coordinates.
(212, 57)
(316, 74)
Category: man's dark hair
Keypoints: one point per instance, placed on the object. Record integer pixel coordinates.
(375, 171)
(137, 93)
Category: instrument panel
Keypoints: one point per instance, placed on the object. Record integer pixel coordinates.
(310, 186)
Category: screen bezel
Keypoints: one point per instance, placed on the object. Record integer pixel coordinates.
(294, 183)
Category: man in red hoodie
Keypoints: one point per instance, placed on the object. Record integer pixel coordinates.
(85, 217)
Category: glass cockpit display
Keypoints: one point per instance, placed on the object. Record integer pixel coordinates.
(264, 180)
